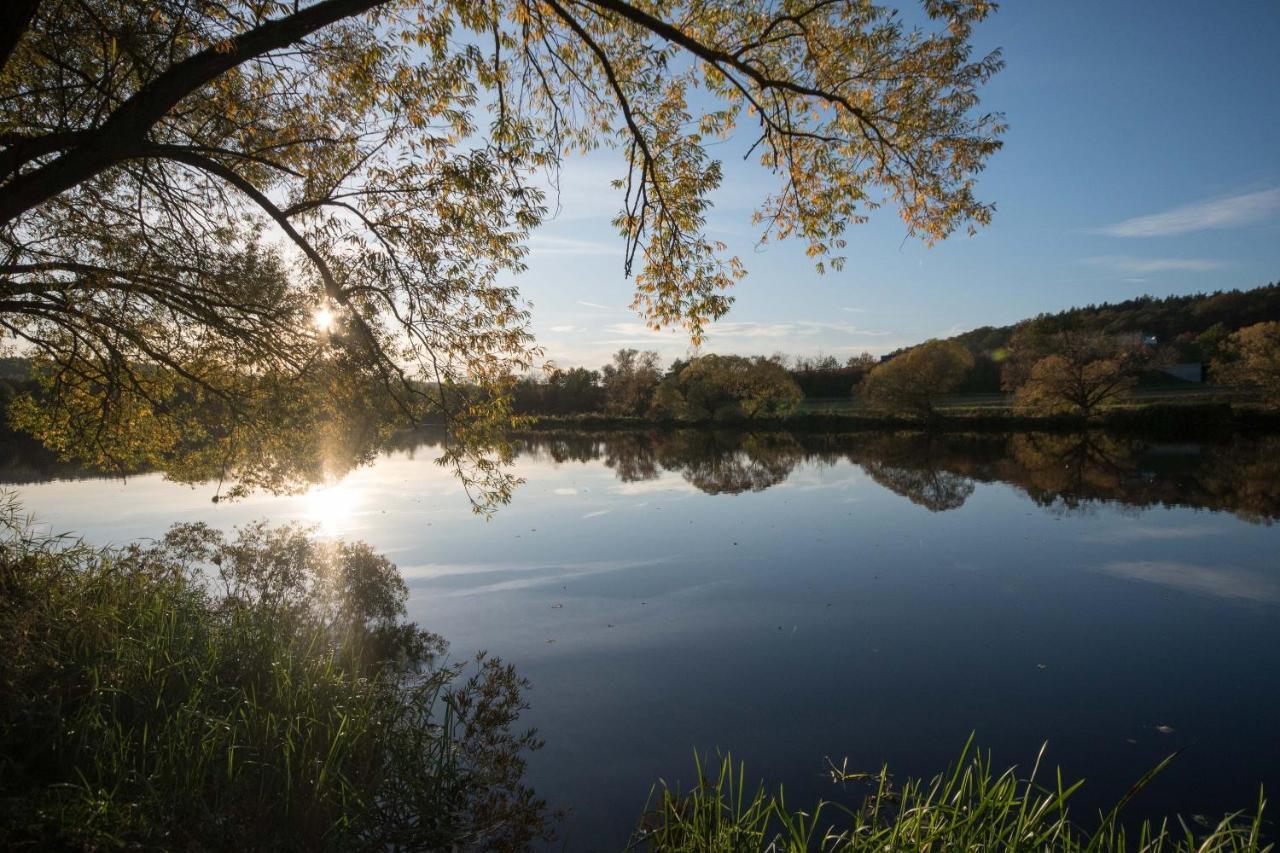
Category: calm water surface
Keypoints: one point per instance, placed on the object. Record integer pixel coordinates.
(791, 599)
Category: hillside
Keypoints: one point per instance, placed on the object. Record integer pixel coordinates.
(1195, 324)
(1171, 319)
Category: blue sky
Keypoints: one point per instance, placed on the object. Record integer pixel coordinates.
(1143, 157)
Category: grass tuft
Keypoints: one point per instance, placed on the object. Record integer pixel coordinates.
(969, 807)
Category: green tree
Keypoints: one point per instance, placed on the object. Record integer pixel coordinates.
(201, 199)
(727, 387)
(1251, 359)
(912, 382)
(630, 380)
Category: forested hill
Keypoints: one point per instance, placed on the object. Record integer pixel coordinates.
(1173, 319)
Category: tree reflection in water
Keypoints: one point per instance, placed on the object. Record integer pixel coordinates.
(1063, 472)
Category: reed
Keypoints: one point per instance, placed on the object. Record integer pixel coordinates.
(969, 807)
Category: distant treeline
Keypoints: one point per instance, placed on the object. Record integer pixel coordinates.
(1172, 319)
(1195, 326)
(1184, 328)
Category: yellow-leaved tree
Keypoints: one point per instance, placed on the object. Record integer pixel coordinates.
(154, 158)
(1251, 359)
(912, 383)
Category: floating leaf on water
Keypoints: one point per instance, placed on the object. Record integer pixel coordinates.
(1165, 730)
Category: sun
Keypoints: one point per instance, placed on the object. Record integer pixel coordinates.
(323, 319)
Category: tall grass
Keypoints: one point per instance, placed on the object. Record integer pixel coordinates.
(969, 807)
(261, 692)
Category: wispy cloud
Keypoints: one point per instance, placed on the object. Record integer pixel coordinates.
(723, 330)
(560, 330)
(598, 305)
(1229, 212)
(1143, 266)
(854, 310)
(1218, 581)
(544, 244)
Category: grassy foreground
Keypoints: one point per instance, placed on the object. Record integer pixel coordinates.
(257, 693)
(969, 807)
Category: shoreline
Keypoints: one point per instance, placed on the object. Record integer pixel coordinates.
(1156, 420)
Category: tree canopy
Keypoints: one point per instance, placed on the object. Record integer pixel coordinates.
(217, 200)
(912, 382)
(727, 387)
(1251, 359)
(1074, 371)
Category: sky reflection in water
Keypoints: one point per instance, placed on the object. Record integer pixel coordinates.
(790, 599)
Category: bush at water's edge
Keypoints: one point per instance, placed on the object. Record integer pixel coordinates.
(261, 692)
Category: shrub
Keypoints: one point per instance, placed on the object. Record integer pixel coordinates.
(256, 692)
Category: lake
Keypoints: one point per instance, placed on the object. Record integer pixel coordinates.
(791, 599)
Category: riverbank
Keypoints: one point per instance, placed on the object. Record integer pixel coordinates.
(1165, 420)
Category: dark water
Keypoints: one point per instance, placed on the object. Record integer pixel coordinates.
(789, 599)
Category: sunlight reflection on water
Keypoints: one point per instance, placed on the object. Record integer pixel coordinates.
(331, 508)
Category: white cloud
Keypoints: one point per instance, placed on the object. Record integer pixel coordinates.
(1143, 266)
(855, 310)
(545, 244)
(1229, 212)
(560, 330)
(598, 305)
(751, 330)
(1221, 582)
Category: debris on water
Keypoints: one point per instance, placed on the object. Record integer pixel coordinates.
(1042, 666)
(1200, 819)
(1164, 730)
(1130, 740)
(557, 606)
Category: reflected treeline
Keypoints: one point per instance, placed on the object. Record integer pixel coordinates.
(1064, 473)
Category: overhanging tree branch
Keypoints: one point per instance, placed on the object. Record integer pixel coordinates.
(131, 121)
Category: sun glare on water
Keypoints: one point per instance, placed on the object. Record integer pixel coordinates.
(332, 508)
